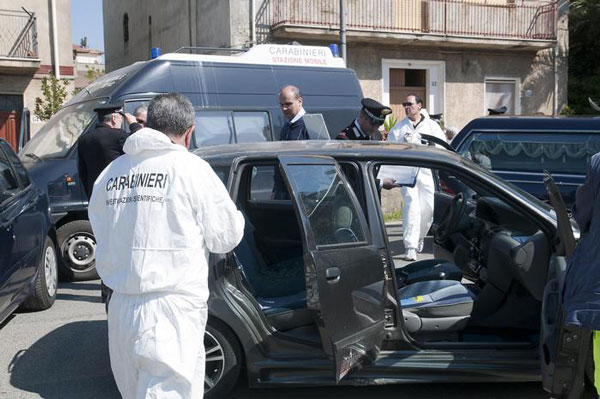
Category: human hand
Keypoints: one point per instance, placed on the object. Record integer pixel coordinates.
(129, 118)
(388, 183)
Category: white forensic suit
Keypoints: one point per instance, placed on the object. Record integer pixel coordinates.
(417, 210)
(157, 212)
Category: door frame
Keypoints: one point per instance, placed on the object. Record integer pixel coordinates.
(435, 80)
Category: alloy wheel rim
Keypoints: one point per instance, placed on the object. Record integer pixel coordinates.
(50, 271)
(215, 361)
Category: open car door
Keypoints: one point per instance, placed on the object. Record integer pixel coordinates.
(563, 348)
(344, 270)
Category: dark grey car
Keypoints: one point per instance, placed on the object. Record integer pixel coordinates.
(314, 293)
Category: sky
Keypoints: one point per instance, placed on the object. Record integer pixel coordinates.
(86, 17)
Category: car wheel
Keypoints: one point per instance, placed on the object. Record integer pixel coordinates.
(46, 282)
(77, 250)
(223, 360)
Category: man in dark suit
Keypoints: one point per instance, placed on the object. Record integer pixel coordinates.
(366, 126)
(104, 144)
(290, 101)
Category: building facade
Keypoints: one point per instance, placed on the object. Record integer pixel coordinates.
(461, 56)
(35, 41)
(88, 64)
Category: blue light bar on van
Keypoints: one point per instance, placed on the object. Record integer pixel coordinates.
(334, 50)
(155, 52)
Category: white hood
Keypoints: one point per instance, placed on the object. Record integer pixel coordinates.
(149, 139)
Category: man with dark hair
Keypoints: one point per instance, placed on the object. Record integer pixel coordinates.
(417, 210)
(157, 212)
(104, 144)
(290, 101)
(366, 126)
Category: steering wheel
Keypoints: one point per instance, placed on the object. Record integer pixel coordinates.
(345, 234)
(451, 219)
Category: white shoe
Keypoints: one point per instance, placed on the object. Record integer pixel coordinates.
(411, 254)
(421, 245)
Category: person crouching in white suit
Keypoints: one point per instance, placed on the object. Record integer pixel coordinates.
(157, 212)
(417, 211)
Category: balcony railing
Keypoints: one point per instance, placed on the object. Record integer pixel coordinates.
(18, 34)
(489, 19)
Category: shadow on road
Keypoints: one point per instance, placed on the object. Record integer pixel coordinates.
(69, 362)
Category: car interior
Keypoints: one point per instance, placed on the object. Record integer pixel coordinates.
(483, 285)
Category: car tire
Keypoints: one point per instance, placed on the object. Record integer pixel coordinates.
(221, 343)
(46, 283)
(77, 249)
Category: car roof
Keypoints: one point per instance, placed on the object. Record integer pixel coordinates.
(518, 124)
(357, 150)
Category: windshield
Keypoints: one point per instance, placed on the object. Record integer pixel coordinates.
(59, 134)
(499, 182)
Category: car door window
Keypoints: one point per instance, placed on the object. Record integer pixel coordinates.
(9, 185)
(328, 204)
(16, 163)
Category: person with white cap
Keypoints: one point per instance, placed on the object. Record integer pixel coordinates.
(417, 210)
(156, 212)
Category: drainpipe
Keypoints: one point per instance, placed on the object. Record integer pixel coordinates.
(343, 29)
(55, 39)
(252, 23)
(556, 55)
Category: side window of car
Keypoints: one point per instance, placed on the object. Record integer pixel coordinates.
(222, 172)
(16, 162)
(266, 184)
(9, 185)
(328, 204)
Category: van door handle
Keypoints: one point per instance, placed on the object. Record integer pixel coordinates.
(332, 275)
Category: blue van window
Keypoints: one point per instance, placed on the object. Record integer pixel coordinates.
(213, 128)
(252, 126)
(566, 153)
(227, 127)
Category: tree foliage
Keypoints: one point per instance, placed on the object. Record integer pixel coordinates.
(584, 53)
(54, 92)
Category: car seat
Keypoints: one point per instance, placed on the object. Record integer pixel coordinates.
(437, 306)
(281, 294)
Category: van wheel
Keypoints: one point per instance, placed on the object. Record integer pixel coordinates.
(44, 289)
(77, 247)
(223, 360)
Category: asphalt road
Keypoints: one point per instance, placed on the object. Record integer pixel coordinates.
(62, 353)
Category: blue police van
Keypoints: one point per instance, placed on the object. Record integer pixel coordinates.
(236, 101)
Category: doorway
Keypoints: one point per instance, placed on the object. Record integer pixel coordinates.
(420, 77)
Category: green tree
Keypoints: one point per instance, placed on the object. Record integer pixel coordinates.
(584, 53)
(54, 92)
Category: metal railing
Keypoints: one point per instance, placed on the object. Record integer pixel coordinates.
(18, 34)
(493, 19)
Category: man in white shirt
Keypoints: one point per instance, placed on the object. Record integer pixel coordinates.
(157, 212)
(417, 210)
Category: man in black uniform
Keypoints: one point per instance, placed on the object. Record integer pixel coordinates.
(100, 147)
(366, 126)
